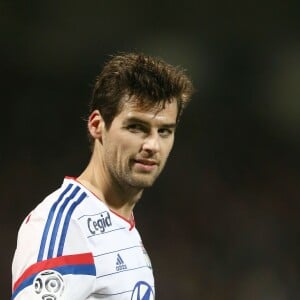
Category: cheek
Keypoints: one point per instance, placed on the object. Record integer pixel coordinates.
(130, 142)
(123, 147)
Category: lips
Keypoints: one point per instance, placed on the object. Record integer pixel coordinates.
(147, 162)
(145, 165)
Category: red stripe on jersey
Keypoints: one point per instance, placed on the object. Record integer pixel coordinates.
(28, 218)
(131, 221)
(74, 259)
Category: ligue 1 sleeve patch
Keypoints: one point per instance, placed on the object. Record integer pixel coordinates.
(48, 285)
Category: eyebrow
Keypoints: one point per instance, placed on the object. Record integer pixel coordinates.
(138, 120)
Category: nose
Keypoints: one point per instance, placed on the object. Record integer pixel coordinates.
(151, 143)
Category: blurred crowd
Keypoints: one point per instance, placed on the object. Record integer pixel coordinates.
(222, 222)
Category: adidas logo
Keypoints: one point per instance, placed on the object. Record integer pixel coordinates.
(120, 265)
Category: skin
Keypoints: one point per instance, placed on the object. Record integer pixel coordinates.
(129, 155)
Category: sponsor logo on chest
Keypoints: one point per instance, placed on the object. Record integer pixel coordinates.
(99, 223)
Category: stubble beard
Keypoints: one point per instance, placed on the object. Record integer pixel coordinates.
(128, 178)
(139, 180)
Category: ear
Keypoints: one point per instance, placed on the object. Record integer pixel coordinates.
(95, 124)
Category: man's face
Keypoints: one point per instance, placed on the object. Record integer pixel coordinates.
(138, 143)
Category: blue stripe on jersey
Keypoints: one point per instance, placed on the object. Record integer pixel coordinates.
(63, 270)
(49, 221)
(28, 281)
(67, 222)
(57, 221)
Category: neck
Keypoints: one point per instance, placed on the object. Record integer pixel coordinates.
(119, 199)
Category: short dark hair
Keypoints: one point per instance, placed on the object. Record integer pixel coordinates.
(149, 79)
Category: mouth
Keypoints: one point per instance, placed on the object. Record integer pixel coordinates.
(146, 165)
(146, 162)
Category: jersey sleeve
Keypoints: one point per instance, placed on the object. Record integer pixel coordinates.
(52, 260)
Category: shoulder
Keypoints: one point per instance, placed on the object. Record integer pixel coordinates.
(61, 203)
(51, 237)
(44, 231)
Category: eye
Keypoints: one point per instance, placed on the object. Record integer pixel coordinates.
(165, 132)
(136, 128)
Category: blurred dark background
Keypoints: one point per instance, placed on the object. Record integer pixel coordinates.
(222, 222)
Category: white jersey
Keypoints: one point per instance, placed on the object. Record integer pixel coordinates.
(73, 247)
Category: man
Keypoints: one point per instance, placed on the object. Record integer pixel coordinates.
(81, 241)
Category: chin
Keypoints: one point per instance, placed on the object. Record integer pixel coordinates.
(141, 183)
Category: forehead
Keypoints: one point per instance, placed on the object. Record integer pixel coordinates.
(163, 112)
